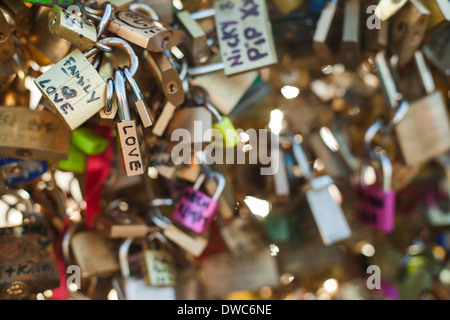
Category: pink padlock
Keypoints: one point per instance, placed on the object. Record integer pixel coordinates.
(196, 210)
(375, 204)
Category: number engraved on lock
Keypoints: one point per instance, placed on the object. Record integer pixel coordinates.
(129, 143)
(245, 35)
(74, 88)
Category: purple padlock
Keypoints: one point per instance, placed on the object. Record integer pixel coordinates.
(196, 210)
(375, 204)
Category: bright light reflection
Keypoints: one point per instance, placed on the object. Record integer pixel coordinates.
(330, 285)
(257, 206)
(276, 121)
(329, 139)
(290, 92)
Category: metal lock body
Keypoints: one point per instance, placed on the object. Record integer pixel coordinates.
(375, 204)
(7, 46)
(116, 223)
(327, 213)
(166, 76)
(350, 45)
(430, 115)
(94, 253)
(164, 118)
(28, 262)
(143, 31)
(196, 210)
(194, 245)
(17, 171)
(408, 29)
(20, 16)
(79, 31)
(45, 48)
(134, 288)
(74, 88)
(326, 33)
(387, 8)
(27, 134)
(159, 262)
(193, 124)
(76, 160)
(245, 35)
(195, 40)
(126, 130)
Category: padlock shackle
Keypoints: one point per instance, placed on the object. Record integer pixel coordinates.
(201, 70)
(386, 167)
(109, 96)
(144, 8)
(387, 81)
(424, 71)
(301, 158)
(123, 257)
(203, 14)
(220, 183)
(119, 43)
(105, 19)
(121, 94)
(133, 85)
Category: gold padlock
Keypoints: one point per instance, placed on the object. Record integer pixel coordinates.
(20, 16)
(74, 88)
(143, 31)
(27, 134)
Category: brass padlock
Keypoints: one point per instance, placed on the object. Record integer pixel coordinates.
(117, 223)
(79, 31)
(166, 76)
(28, 262)
(45, 48)
(95, 254)
(20, 16)
(74, 88)
(143, 31)
(27, 134)
(158, 262)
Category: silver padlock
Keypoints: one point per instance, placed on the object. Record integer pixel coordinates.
(424, 133)
(327, 213)
(134, 288)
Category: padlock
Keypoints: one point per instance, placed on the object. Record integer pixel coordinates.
(88, 141)
(244, 32)
(141, 107)
(27, 259)
(45, 48)
(327, 213)
(225, 92)
(164, 118)
(94, 253)
(430, 115)
(327, 33)
(195, 40)
(166, 76)
(126, 130)
(20, 15)
(76, 29)
(375, 204)
(350, 45)
(16, 171)
(143, 31)
(242, 236)
(437, 51)
(134, 288)
(388, 8)
(192, 126)
(159, 264)
(7, 46)
(116, 223)
(27, 134)
(408, 29)
(163, 8)
(196, 210)
(193, 244)
(228, 136)
(74, 88)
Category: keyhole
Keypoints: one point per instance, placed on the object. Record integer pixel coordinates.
(172, 87)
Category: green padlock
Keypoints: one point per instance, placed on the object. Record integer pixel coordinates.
(226, 128)
(88, 141)
(277, 228)
(76, 161)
